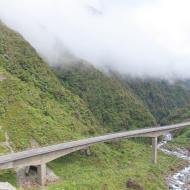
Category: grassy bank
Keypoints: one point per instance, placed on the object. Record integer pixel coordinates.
(109, 167)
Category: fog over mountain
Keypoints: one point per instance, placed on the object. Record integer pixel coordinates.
(141, 38)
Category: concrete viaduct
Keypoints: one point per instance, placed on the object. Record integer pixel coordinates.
(40, 156)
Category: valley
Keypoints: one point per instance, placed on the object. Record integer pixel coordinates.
(50, 105)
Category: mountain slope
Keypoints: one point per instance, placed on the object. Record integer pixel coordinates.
(35, 107)
(168, 102)
(182, 137)
(113, 105)
(34, 104)
(160, 96)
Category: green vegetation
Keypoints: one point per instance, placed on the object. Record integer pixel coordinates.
(109, 167)
(168, 102)
(160, 96)
(176, 116)
(37, 105)
(34, 104)
(9, 176)
(113, 105)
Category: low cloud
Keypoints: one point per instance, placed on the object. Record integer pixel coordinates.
(140, 38)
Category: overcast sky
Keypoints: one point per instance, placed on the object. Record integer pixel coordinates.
(140, 37)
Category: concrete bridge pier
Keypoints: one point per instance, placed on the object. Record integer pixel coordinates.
(41, 172)
(19, 174)
(154, 149)
(40, 156)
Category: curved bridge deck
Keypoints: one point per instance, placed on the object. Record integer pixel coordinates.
(43, 155)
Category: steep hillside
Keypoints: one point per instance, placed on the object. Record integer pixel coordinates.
(113, 105)
(168, 102)
(176, 116)
(160, 96)
(35, 107)
(34, 104)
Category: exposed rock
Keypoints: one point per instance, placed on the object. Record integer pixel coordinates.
(6, 186)
(34, 143)
(27, 177)
(8, 143)
(134, 185)
(105, 187)
(51, 177)
(2, 78)
(180, 178)
(188, 151)
(85, 152)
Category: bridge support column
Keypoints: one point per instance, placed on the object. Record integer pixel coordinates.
(154, 149)
(42, 174)
(20, 176)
